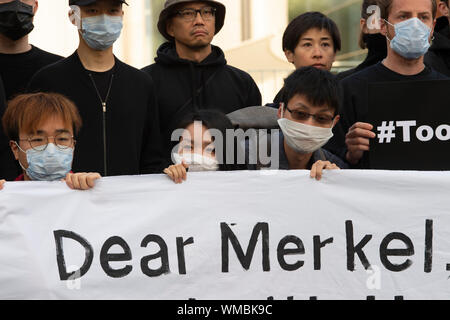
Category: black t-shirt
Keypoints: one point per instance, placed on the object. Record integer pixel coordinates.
(16, 70)
(355, 101)
(102, 81)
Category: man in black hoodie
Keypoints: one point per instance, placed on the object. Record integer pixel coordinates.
(117, 103)
(190, 73)
(438, 56)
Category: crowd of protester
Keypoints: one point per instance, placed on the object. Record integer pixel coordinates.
(91, 115)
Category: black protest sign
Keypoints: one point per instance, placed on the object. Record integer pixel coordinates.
(412, 123)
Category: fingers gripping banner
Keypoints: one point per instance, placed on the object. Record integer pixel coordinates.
(239, 235)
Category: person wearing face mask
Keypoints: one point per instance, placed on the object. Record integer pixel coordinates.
(306, 116)
(438, 57)
(41, 129)
(311, 39)
(117, 102)
(199, 149)
(19, 61)
(408, 28)
(370, 38)
(189, 72)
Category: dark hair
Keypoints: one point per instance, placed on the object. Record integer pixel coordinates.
(308, 21)
(445, 1)
(385, 6)
(217, 120)
(365, 15)
(27, 112)
(320, 87)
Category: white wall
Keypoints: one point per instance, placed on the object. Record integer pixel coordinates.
(268, 17)
(53, 31)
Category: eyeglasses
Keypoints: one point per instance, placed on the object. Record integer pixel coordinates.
(322, 119)
(40, 142)
(190, 15)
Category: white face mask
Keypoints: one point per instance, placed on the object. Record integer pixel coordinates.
(196, 162)
(304, 138)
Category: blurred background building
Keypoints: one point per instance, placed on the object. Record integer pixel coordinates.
(251, 37)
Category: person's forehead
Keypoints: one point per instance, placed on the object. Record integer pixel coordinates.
(196, 126)
(420, 6)
(316, 33)
(300, 101)
(51, 125)
(192, 131)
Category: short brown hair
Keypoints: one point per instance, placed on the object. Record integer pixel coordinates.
(27, 112)
(385, 6)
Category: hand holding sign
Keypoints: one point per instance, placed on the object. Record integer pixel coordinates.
(177, 172)
(2, 182)
(357, 141)
(319, 166)
(81, 181)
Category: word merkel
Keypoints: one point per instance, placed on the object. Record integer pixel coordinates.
(289, 245)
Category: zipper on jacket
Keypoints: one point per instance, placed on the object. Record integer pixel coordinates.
(104, 109)
(104, 139)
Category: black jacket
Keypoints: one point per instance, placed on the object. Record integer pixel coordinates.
(184, 86)
(133, 141)
(438, 56)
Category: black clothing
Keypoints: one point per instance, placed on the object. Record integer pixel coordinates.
(130, 117)
(185, 86)
(102, 81)
(277, 100)
(377, 46)
(355, 102)
(438, 56)
(17, 70)
(8, 168)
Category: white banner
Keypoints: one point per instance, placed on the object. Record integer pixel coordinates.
(236, 235)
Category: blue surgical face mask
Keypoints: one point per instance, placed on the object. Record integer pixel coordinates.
(411, 39)
(51, 164)
(100, 32)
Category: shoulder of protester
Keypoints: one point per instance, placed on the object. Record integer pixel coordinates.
(63, 68)
(257, 117)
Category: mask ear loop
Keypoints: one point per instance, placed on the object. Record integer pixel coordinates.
(387, 32)
(19, 159)
(75, 16)
(282, 109)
